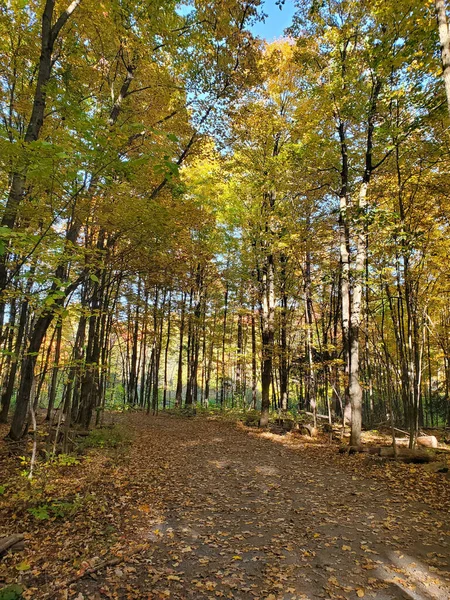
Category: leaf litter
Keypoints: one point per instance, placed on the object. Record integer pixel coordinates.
(203, 509)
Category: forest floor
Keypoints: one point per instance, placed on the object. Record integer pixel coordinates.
(197, 508)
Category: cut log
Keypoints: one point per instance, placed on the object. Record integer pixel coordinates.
(9, 542)
(310, 414)
(18, 547)
(402, 442)
(427, 441)
(406, 455)
(403, 454)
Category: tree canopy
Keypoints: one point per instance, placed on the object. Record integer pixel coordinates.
(192, 215)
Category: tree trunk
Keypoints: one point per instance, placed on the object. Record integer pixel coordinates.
(157, 324)
(224, 333)
(444, 38)
(239, 357)
(143, 353)
(210, 360)
(267, 329)
(354, 386)
(284, 369)
(27, 376)
(54, 380)
(179, 390)
(36, 337)
(49, 35)
(133, 385)
(188, 398)
(9, 387)
(166, 351)
(253, 359)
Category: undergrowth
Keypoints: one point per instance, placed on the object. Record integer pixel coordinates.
(111, 436)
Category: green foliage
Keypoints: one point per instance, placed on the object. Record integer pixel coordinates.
(57, 509)
(107, 437)
(184, 411)
(65, 460)
(212, 409)
(11, 592)
(41, 513)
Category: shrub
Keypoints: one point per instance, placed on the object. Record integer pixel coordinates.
(106, 437)
(251, 418)
(11, 592)
(57, 509)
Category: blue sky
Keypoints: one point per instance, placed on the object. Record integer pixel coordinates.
(276, 21)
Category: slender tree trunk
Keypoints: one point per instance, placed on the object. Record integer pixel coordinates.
(239, 357)
(311, 391)
(189, 353)
(268, 336)
(224, 334)
(210, 360)
(144, 353)
(194, 338)
(17, 192)
(89, 382)
(6, 358)
(344, 249)
(354, 386)
(9, 387)
(72, 390)
(37, 335)
(179, 390)
(253, 359)
(27, 376)
(444, 38)
(166, 351)
(133, 386)
(55, 370)
(150, 378)
(284, 370)
(354, 292)
(157, 324)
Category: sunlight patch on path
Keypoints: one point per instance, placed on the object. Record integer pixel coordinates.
(413, 578)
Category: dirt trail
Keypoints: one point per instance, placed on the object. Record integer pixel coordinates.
(231, 514)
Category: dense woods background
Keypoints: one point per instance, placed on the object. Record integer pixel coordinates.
(193, 216)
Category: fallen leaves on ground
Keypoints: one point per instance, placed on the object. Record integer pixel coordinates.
(201, 509)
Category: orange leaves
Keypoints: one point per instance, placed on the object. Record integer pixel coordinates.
(215, 532)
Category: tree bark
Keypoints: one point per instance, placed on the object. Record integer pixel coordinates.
(9, 387)
(179, 390)
(166, 350)
(267, 335)
(224, 334)
(253, 359)
(55, 370)
(49, 35)
(444, 39)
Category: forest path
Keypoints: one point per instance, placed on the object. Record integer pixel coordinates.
(236, 515)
